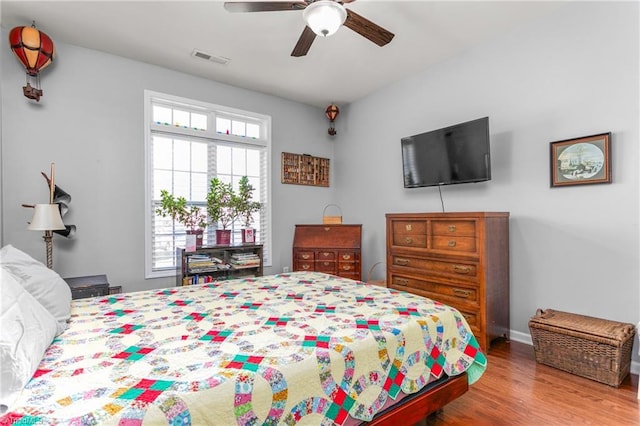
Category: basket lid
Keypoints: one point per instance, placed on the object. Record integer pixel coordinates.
(614, 330)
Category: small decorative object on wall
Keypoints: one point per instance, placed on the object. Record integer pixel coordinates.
(332, 112)
(303, 169)
(36, 51)
(581, 161)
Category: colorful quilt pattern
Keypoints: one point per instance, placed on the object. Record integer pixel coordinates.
(277, 350)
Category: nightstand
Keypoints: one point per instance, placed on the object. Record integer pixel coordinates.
(88, 286)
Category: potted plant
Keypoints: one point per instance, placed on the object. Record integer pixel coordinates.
(246, 207)
(190, 216)
(221, 209)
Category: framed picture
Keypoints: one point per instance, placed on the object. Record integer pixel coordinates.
(581, 161)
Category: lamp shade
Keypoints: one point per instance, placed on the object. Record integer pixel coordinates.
(324, 17)
(46, 217)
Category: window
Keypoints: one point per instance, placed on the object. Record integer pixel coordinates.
(187, 144)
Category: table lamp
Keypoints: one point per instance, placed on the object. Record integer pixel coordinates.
(46, 217)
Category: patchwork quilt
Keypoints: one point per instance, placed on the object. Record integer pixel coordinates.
(284, 349)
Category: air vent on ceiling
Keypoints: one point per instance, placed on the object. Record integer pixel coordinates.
(208, 57)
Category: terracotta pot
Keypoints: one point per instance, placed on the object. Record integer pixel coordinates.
(223, 237)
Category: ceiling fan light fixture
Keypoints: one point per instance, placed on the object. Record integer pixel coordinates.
(324, 17)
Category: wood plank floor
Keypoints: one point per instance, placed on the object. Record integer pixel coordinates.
(515, 390)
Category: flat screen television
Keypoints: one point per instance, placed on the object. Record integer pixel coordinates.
(451, 155)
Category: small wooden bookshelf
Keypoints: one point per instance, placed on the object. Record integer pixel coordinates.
(303, 169)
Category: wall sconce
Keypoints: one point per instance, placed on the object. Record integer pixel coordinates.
(35, 50)
(332, 112)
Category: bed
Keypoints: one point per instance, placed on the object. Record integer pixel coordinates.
(297, 348)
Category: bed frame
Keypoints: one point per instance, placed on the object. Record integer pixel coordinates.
(417, 407)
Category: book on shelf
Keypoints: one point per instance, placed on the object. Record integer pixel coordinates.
(245, 260)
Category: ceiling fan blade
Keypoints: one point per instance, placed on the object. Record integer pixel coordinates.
(304, 42)
(263, 6)
(367, 29)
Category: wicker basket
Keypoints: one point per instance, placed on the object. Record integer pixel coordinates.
(331, 220)
(590, 347)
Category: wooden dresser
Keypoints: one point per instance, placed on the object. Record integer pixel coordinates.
(334, 249)
(460, 259)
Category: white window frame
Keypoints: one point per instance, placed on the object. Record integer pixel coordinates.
(213, 111)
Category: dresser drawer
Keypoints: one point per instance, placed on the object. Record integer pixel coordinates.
(346, 267)
(306, 266)
(454, 244)
(306, 255)
(458, 228)
(347, 256)
(410, 227)
(326, 266)
(404, 240)
(326, 255)
(470, 314)
(467, 271)
(446, 293)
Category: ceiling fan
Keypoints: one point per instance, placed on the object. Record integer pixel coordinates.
(322, 17)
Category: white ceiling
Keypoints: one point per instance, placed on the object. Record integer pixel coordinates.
(341, 68)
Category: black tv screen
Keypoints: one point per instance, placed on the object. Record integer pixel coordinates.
(451, 155)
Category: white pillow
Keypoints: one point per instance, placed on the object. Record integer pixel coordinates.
(41, 282)
(27, 331)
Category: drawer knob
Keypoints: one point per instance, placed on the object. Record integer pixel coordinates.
(452, 228)
(461, 269)
(305, 266)
(402, 281)
(326, 254)
(409, 240)
(452, 243)
(402, 262)
(462, 293)
(327, 229)
(326, 263)
(346, 267)
(305, 256)
(346, 256)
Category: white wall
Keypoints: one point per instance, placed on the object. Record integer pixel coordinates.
(572, 74)
(90, 123)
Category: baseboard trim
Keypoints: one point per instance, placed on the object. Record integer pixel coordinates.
(525, 338)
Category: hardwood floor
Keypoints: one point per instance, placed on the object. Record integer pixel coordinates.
(515, 390)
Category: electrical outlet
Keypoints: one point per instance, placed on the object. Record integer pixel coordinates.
(285, 269)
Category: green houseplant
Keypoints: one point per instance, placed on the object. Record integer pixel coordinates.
(246, 207)
(221, 208)
(190, 216)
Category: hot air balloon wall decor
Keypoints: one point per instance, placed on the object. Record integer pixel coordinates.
(35, 50)
(332, 112)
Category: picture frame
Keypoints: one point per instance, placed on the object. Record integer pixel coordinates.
(581, 161)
